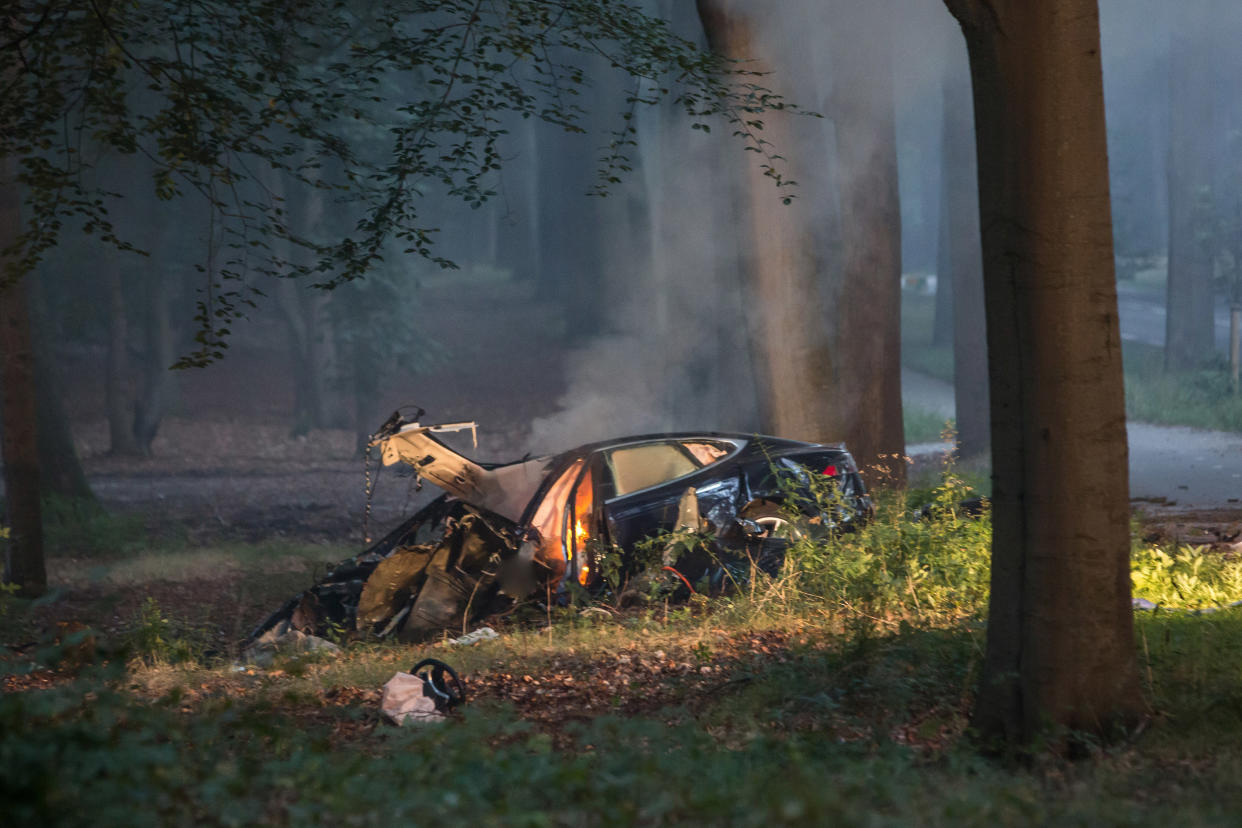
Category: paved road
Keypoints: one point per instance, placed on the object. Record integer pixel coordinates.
(1143, 317)
(1182, 466)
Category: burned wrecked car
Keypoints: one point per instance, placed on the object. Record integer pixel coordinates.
(549, 526)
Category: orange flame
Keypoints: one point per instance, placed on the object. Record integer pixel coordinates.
(580, 538)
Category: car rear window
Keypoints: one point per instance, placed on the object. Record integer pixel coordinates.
(637, 467)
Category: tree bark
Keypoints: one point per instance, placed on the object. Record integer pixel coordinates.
(824, 281)
(303, 310)
(867, 306)
(962, 263)
(787, 265)
(23, 559)
(117, 395)
(569, 229)
(1189, 326)
(1060, 639)
(157, 358)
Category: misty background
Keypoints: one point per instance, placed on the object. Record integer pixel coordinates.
(575, 317)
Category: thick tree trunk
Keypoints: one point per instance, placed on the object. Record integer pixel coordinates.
(824, 281)
(1189, 326)
(787, 266)
(23, 561)
(962, 263)
(23, 558)
(867, 307)
(1060, 639)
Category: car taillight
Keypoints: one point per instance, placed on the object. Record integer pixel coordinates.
(831, 471)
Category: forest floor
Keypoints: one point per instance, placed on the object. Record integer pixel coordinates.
(122, 693)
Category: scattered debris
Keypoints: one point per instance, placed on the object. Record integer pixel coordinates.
(481, 634)
(425, 694)
(282, 639)
(1144, 605)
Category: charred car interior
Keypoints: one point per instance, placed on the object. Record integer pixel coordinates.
(549, 526)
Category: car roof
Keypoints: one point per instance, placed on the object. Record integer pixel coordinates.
(766, 439)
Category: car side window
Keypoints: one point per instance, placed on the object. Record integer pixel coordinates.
(637, 467)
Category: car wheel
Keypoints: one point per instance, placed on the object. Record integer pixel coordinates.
(773, 520)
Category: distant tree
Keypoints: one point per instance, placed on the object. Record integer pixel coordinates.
(1189, 325)
(214, 92)
(961, 261)
(121, 439)
(61, 472)
(1060, 637)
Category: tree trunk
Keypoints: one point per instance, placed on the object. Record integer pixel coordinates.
(1060, 639)
(866, 397)
(303, 310)
(60, 471)
(949, 221)
(157, 357)
(1189, 326)
(787, 267)
(117, 395)
(962, 262)
(23, 559)
(569, 229)
(825, 286)
(942, 322)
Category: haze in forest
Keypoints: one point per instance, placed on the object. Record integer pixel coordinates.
(576, 317)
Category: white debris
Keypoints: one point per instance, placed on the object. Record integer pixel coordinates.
(481, 634)
(281, 640)
(405, 699)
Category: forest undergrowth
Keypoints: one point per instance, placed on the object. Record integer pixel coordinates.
(838, 690)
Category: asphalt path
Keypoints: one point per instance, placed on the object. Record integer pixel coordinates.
(1143, 315)
(1170, 465)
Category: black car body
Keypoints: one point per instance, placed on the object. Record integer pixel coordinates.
(542, 525)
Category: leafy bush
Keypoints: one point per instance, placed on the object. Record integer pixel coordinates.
(154, 638)
(1187, 577)
(906, 566)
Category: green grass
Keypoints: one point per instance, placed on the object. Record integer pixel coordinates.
(1202, 399)
(923, 426)
(83, 528)
(821, 738)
